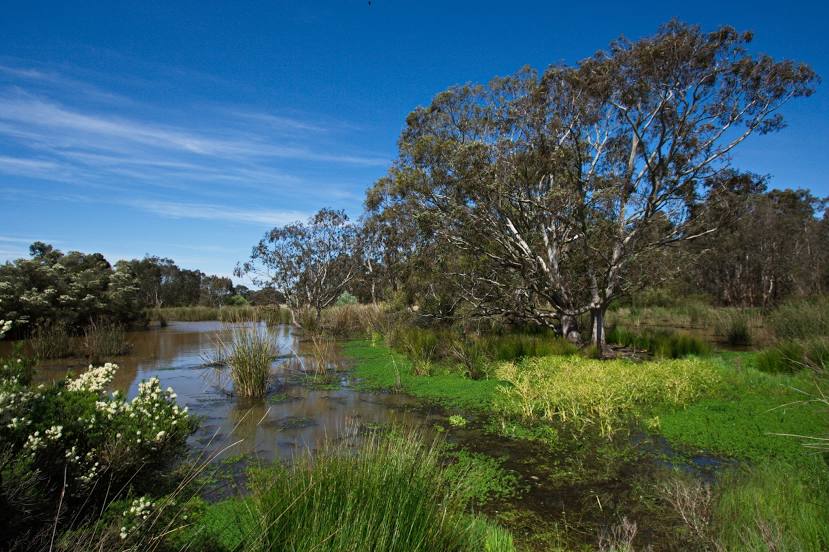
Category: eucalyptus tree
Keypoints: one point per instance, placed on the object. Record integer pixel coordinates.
(309, 263)
(564, 189)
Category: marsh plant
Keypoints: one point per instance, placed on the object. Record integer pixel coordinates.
(245, 356)
(322, 354)
(50, 341)
(104, 340)
(735, 326)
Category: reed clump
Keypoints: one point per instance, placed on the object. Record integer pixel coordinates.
(247, 356)
(52, 341)
(104, 340)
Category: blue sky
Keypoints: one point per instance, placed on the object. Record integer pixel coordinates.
(187, 129)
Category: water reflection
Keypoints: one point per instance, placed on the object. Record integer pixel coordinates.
(296, 416)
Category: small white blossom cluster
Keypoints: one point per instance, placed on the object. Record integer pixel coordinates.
(138, 512)
(94, 379)
(5, 327)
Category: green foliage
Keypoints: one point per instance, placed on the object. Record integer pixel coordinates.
(746, 414)
(773, 506)
(346, 298)
(801, 319)
(52, 288)
(456, 420)
(247, 356)
(236, 301)
(480, 477)
(74, 431)
(795, 355)
(604, 395)
(662, 344)
(392, 495)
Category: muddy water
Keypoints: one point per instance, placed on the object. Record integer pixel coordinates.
(297, 414)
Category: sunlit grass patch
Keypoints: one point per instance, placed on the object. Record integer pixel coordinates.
(605, 395)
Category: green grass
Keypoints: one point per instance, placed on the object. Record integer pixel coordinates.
(393, 495)
(247, 356)
(745, 411)
(773, 506)
(801, 319)
(378, 367)
(795, 355)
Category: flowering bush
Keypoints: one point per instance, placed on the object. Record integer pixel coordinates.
(82, 442)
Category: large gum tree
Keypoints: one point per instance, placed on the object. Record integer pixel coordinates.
(563, 190)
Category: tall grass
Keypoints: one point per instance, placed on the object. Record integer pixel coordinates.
(794, 355)
(270, 314)
(52, 341)
(773, 506)
(392, 495)
(801, 319)
(247, 356)
(660, 343)
(734, 325)
(104, 340)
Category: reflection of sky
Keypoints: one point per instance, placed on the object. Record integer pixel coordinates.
(268, 428)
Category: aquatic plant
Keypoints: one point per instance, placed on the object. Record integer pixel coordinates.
(51, 341)
(601, 394)
(247, 356)
(457, 420)
(734, 325)
(104, 340)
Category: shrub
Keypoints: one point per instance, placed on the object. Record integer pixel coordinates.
(602, 394)
(73, 440)
(393, 495)
(346, 298)
(801, 320)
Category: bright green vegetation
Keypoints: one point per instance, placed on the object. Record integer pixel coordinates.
(605, 395)
(378, 367)
(482, 477)
(661, 343)
(744, 412)
(773, 506)
(393, 495)
(457, 420)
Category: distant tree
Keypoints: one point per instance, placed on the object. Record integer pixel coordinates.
(773, 247)
(309, 263)
(72, 289)
(564, 191)
(215, 290)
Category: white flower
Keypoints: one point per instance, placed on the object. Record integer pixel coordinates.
(95, 379)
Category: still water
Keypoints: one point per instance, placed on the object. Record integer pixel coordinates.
(296, 415)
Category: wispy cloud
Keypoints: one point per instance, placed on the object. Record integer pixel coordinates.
(45, 134)
(205, 211)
